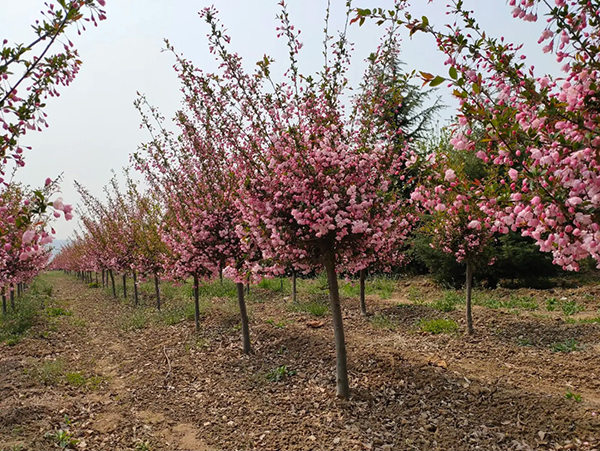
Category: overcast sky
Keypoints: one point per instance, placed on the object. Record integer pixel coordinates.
(93, 124)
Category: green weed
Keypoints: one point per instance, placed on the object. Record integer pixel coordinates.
(53, 312)
(62, 439)
(415, 296)
(438, 326)
(448, 302)
(574, 396)
(571, 307)
(569, 345)
(276, 324)
(49, 372)
(315, 308)
(280, 373)
(551, 304)
(134, 321)
(380, 321)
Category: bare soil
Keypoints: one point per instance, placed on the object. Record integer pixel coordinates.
(167, 388)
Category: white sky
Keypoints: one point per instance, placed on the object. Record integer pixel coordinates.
(93, 124)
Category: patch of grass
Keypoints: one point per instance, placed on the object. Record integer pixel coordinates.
(78, 322)
(524, 341)
(134, 321)
(315, 308)
(551, 304)
(415, 296)
(142, 446)
(448, 302)
(280, 373)
(382, 285)
(49, 372)
(94, 285)
(569, 345)
(574, 396)
(571, 307)
(276, 285)
(514, 303)
(62, 439)
(276, 324)
(595, 320)
(380, 321)
(438, 326)
(53, 312)
(76, 379)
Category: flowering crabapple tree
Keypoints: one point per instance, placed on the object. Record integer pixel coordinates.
(457, 206)
(544, 129)
(30, 73)
(24, 222)
(198, 189)
(316, 186)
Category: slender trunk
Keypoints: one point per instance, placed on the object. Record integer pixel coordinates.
(248, 288)
(244, 315)
(135, 288)
(112, 279)
(157, 290)
(19, 290)
(221, 275)
(294, 296)
(12, 297)
(4, 300)
(196, 303)
(281, 284)
(96, 272)
(469, 287)
(363, 305)
(124, 286)
(103, 284)
(343, 388)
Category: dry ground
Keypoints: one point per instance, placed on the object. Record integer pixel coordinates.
(106, 378)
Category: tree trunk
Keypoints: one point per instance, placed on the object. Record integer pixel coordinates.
(135, 288)
(343, 388)
(4, 300)
(112, 279)
(281, 284)
(244, 315)
(248, 288)
(196, 303)
(96, 272)
(363, 305)
(124, 286)
(221, 275)
(103, 284)
(469, 286)
(157, 291)
(12, 297)
(294, 295)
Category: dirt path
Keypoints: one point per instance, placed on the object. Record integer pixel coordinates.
(163, 387)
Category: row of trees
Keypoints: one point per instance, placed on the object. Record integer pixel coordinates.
(268, 176)
(29, 74)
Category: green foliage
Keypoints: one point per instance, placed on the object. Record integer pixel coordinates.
(380, 321)
(48, 372)
(517, 258)
(569, 345)
(449, 301)
(595, 320)
(574, 396)
(571, 307)
(142, 446)
(381, 285)
(551, 304)
(276, 324)
(315, 308)
(76, 379)
(415, 296)
(57, 311)
(280, 373)
(62, 439)
(275, 285)
(515, 302)
(17, 322)
(438, 326)
(94, 285)
(135, 320)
